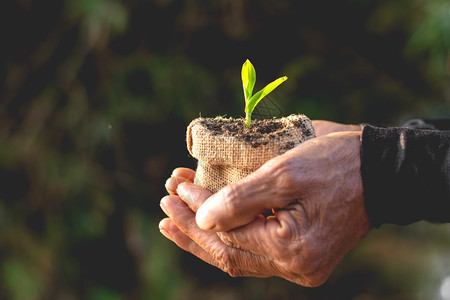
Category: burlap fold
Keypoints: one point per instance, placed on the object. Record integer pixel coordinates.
(227, 151)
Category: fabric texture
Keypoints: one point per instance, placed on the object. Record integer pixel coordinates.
(406, 172)
(226, 156)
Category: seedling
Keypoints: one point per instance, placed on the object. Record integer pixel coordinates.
(248, 82)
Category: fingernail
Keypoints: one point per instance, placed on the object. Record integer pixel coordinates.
(183, 192)
(171, 184)
(163, 230)
(173, 172)
(202, 218)
(163, 205)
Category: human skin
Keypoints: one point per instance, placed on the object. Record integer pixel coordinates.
(322, 127)
(316, 196)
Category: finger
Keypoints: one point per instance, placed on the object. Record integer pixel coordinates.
(250, 237)
(193, 195)
(172, 184)
(173, 233)
(234, 261)
(265, 236)
(184, 218)
(164, 228)
(184, 172)
(238, 204)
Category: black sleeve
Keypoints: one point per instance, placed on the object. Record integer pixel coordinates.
(441, 124)
(406, 174)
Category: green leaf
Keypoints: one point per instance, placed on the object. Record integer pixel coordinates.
(248, 75)
(251, 104)
(248, 79)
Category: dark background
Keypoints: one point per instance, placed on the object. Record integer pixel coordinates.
(95, 97)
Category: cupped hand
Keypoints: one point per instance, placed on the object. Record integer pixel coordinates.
(315, 194)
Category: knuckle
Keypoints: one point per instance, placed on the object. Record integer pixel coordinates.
(288, 233)
(284, 174)
(230, 194)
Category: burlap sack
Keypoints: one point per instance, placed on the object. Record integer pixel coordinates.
(227, 151)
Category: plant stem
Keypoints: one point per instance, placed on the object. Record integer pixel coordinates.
(248, 117)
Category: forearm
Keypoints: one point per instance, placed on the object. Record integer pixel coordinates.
(406, 175)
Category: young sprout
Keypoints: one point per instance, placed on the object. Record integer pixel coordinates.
(248, 82)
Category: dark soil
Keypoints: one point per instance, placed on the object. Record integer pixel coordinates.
(259, 133)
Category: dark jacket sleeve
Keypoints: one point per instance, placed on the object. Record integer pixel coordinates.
(406, 173)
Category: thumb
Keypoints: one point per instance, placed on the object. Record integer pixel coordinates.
(238, 204)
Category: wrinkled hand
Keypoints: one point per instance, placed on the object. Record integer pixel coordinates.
(322, 127)
(315, 193)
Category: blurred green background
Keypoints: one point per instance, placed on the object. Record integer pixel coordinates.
(95, 97)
